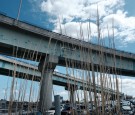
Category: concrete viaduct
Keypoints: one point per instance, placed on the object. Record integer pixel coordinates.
(21, 39)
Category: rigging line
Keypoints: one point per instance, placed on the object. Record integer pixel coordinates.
(19, 10)
(34, 55)
(14, 53)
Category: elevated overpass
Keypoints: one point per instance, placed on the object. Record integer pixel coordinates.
(21, 39)
(29, 72)
(29, 40)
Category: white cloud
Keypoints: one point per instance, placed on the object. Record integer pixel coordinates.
(73, 29)
(126, 83)
(79, 8)
(124, 26)
(128, 86)
(69, 14)
(63, 93)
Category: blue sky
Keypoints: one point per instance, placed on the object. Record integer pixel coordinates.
(50, 14)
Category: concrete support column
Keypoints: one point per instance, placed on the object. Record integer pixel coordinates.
(57, 105)
(46, 91)
(46, 67)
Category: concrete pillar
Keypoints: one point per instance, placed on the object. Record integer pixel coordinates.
(46, 91)
(46, 66)
(57, 105)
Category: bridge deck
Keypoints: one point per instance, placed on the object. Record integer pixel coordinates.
(7, 66)
(25, 40)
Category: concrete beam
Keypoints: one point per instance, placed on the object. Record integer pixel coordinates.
(29, 40)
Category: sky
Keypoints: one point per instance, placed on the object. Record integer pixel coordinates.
(64, 16)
